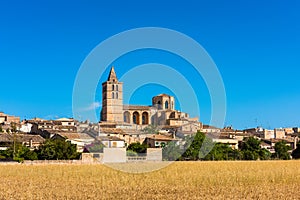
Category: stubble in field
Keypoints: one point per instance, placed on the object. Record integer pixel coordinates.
(180, 180)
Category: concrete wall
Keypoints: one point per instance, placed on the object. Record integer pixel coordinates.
(154, 154)
(114, 155)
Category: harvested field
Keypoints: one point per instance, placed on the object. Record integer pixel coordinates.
(179, 180)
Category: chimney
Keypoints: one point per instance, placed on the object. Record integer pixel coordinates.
(295, 142)
(30, 143)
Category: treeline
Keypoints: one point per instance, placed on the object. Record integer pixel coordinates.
(49, 150)
(198, 147)
(201, 147)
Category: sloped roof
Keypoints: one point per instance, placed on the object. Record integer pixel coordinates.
(28, 137)
(111, 130)
(109, 138)
(136, 107)
(112, 75)
(209, 127)
(160, 138)
(5, 138)
(72, 135)
(21, 138)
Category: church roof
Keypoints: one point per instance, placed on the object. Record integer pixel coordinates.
(112, 75)
(136, 107)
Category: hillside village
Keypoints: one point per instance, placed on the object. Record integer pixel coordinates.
(122, 125)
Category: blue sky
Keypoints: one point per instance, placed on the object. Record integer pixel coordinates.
(255, 45)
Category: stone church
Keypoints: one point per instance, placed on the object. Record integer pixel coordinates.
(161, 113)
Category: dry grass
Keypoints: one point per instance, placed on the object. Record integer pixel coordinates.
(181, 180)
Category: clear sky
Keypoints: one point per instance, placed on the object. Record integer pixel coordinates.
(255, 45)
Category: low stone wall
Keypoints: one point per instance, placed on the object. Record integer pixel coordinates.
(110, 155)
(9, 163)
(92, 158)
(136, 158)
(46, 162)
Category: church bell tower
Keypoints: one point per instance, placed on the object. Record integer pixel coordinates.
(112, 99)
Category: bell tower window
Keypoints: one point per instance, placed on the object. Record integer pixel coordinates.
(166, 105)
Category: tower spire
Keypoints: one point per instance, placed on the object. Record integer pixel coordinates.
(112, 75)
(112, 99)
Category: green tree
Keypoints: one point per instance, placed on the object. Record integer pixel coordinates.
(207, 146)
(137, 147)
(131, 153)
(1, 129)
(250, 155)
(192, 146)
(264, 154)
(281, 151)
(58, 150)
(251, 150)
(7, 130)
(13, 127)
(95, 147)
(171, 151)
(202, 147)
(296, 152)
(222, 152)
(19, 153)
(251, 144)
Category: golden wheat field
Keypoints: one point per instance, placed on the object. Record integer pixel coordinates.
(179, 180)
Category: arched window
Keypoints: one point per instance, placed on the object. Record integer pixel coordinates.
(113, 95)
(117, 87)
(136, 118)
(145, 118)
(159, 106)
(113, 87)
(166, 105)
(126, 117)
(117, 96)
(172, 115)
